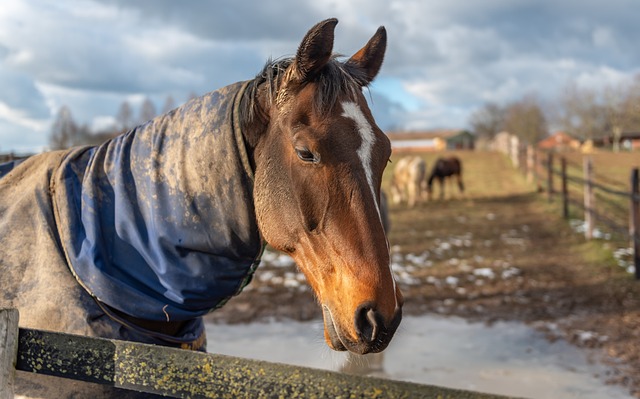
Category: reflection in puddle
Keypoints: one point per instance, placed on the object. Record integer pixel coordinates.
(507, 358)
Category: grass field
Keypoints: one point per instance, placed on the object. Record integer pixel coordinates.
(491, 175)
(486, 174)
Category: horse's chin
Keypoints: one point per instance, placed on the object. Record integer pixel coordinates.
(339, 342)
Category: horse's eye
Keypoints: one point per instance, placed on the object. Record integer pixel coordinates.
(307, 155)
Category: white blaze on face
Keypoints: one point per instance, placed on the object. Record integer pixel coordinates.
(352, 111)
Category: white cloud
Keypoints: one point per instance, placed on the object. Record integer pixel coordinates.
(20, 118)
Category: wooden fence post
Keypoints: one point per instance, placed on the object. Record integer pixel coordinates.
(634, 221)
(589, 200)
(182, 373)
(565, 190)
(550, 176)
(537, 175)
(531, 165)
(8, 351)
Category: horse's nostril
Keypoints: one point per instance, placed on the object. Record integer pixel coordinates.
(368, 323)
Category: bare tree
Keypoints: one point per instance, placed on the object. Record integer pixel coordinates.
(526, 120)
(147, 111)
(580, 114)
(169, 104)
(64, 131)
(621, 106)
(488, 120)
(125, 116)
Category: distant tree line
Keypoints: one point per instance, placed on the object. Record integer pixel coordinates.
(66, 132)
(582, 113)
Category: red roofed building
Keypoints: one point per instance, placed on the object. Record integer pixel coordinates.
(559, 141)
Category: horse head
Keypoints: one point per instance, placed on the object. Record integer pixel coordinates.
(318, 159)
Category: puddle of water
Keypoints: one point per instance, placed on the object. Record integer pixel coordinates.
(506, 358)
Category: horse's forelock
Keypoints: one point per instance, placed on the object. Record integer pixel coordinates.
(335, 81)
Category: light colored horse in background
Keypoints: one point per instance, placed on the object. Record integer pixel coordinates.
(408, 183)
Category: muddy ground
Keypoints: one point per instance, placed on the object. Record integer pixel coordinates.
(486, 259)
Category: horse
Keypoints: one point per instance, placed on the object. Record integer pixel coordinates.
(443, 168)
(140, 237)
(408, 181)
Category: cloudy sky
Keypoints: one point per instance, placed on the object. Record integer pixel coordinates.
(444, 59)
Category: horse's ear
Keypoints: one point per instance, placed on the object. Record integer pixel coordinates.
(369, 58)
(315, 49)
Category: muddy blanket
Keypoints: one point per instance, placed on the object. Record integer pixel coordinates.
(157, 223)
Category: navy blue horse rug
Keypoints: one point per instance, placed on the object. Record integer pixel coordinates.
(122, 215)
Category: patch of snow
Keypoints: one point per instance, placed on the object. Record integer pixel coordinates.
(445, 246)
(484, 272)
(417, 259)
(579, 226)
(451, 280)
(510, 272)
(433, 280)
(624, 258)
(589, 337)
(277, 259)
(265, 276)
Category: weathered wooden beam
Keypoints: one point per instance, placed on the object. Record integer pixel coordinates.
(181, 373)
(8, 351)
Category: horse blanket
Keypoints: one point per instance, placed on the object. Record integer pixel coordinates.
(157, 223)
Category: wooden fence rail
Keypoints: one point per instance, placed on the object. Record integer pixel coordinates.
(540, 166)
(181, 373)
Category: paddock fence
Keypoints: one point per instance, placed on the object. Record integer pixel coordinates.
(608, 208)
(182, 373)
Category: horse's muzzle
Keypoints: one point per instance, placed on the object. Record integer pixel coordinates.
(373, 334)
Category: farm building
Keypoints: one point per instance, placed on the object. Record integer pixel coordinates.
(437, 140)
(559, 141)
(629, 141)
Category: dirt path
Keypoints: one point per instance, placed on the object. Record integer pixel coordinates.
(486, 258)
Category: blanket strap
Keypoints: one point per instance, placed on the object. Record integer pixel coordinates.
(165, 331)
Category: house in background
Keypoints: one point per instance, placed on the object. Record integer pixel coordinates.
(629, 141)
(558, 142)
(434, 140)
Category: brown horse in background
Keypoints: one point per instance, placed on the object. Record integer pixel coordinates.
(443, 168)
